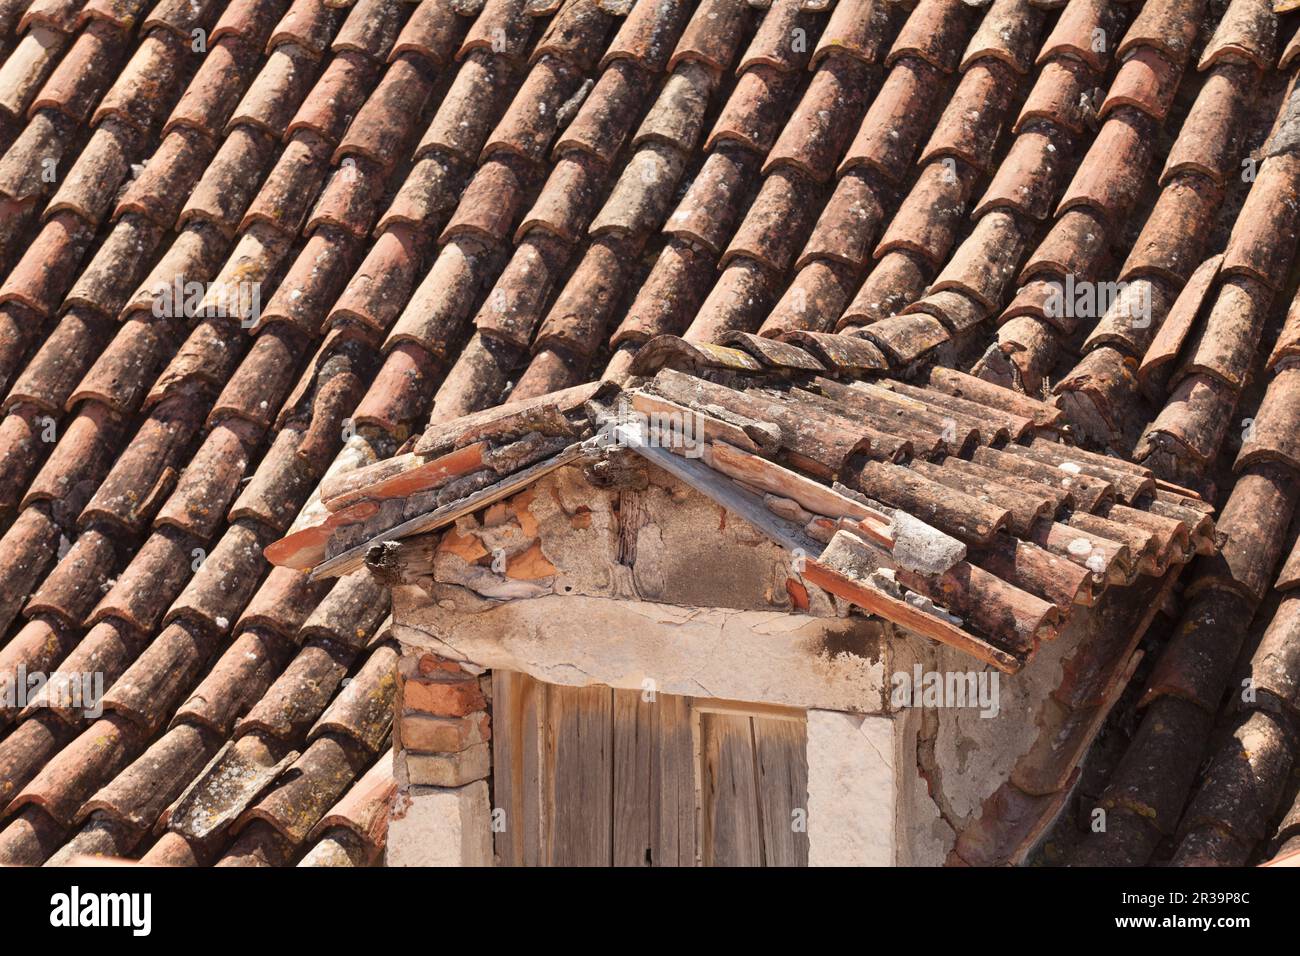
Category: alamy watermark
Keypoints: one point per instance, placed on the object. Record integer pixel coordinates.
(133, 911)
(1079, 299)
(66, 690)
(958, 689)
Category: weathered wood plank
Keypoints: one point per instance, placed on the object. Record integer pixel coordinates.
(732, 836)
(506, 768)
(781, 748)
(812, 495)
(580, 738)
(673, 781)
(533, 784)
(518, 704)
(634, 746)
(721, 490)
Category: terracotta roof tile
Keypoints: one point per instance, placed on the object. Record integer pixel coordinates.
(39, 644)
(712, 34)
(61, 14)
(28, 65)
(985, 264)
(149, 690)
(1171, 241)
(310, 24)
(121, 13)
(1146, 81)
(972, 123)
(896, 120)
(314, 782)
(349, 200)
(27, 748)
(41, 277)
(179, 16)
(936, 32)
(1165, 25)
(363, 809)
(363, 711)
(293, 703)
(1074, 33)
(1111, 173)
(83, 74)
(1247, 32)
(81, 768)
(149, 83)
(928, 219)
(56, 367)
(381, 284)
(1009, 32)
(1241, 789)
(233, 778)
(140, 793)
(1061, 95)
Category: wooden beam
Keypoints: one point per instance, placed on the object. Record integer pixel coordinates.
(719, 489)
(900, 612)
(812, 495)
(711, 428)
(401, 476)
(348, 561)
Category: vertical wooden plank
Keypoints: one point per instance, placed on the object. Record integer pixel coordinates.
(673, 783)
(516, 767)
(633, 755)
(781, 748)
(732, 835)
(552, 706)
(506, 761)
(532, 778)
(581, 731)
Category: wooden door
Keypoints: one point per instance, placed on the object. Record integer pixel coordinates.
(592, 776)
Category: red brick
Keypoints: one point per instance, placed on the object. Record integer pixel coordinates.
(431, 665)
(443, 698)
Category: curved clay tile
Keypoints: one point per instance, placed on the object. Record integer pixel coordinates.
(83, 74)
(898, 117)
(816, 133)
(147, 85)
(935, 32)
(1076, 34)
(1146, 81)
(145, 473)
(1247, 33)
(27, 66)
(1009, 32)
(236, 681)
(380, 131)
(1168, 26)
(433, 30)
